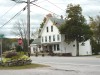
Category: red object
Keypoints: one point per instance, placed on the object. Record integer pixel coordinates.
(19, 41)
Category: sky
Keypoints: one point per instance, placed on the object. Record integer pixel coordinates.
(56, 7)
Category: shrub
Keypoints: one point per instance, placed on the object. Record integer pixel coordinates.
(6, 60)
(66, 54)
(13, 58)
(19, 48)
(24, 57)
(11, 54)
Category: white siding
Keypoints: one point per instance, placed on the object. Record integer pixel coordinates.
(64, 47)
(50, 33)
(71, 48)
(35, 48)
(86, 49)
(32, 50)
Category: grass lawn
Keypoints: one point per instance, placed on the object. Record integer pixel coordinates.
(30, 66)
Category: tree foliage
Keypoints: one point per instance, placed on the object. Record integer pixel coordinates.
(7, 43)
(75, 27)
(18, 48)
(95, 27)
(95, 47)
(42, 24)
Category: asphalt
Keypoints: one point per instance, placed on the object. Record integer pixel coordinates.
(60, 66)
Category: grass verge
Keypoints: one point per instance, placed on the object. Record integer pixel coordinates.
(30, 66)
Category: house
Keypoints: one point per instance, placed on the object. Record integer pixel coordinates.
(35, 46)
(52, 41)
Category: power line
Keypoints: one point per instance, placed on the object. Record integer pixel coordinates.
(59, 3)
(45, 9)
(8, 10)
(41, 1)
(30, 28)
(12, 17)
(55, 5)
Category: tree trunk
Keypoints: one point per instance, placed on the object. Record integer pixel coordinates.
(77, 48)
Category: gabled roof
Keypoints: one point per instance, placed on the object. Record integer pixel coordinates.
(37, 41)
(56, 21)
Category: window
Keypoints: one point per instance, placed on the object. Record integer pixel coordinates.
(58, 38)
(47, 29)
(73, 45)
(53, 37)
(45, 38)
(51, 28)
(42, 39)
(54, 47)
(49, 38)
(58, 47)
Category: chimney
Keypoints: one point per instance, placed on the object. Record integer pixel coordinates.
(48, 15)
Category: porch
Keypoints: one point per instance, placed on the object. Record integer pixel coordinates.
(51, 48)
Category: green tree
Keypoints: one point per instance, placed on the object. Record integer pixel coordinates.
(42, 24)
(7, 43)
(95, 27)
(19, 48)
(95, 47)
(75, 27)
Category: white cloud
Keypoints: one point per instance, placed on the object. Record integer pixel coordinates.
(90, 8)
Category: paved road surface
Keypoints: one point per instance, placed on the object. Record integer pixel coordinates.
(90, 60)
(61, 66)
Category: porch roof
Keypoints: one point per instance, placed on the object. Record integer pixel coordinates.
(37, 41)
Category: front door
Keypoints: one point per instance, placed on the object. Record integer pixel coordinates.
(50, 49)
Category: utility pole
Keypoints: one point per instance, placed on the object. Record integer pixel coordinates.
(1, 38)
(28, 24)
(28, 20)
(1, 50)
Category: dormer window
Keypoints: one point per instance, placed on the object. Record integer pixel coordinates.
(47, 29)
(51, 28)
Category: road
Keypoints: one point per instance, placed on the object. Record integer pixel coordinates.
(60, 66)
(68, 60)
(71, 65)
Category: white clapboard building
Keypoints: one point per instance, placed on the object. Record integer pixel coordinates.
(52, 40)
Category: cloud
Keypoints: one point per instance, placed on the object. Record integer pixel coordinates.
(6, 3)
(90, 8)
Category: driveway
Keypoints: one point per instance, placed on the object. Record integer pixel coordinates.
(61, 66)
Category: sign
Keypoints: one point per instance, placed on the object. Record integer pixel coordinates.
(1, 36)
(19, 41)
